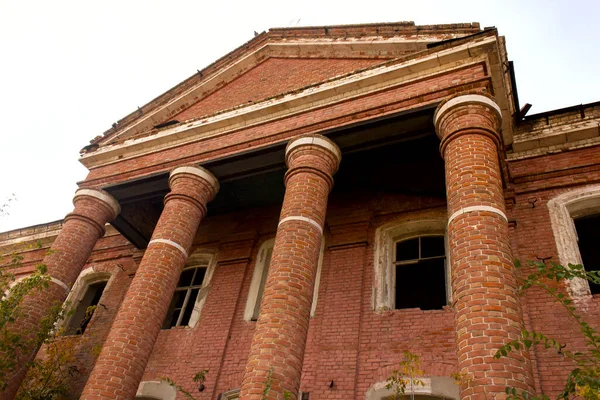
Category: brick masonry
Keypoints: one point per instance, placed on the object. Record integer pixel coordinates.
(279, 341)
(347, 342)
(125, 353)
(484, 284)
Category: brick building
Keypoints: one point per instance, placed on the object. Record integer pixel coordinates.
(315, 203)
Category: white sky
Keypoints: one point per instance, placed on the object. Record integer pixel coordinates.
(69, 69)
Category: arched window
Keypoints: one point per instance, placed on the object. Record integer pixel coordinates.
(84, 298)
(411, 268)
(259, 278)
(575, 219)
(191, 291)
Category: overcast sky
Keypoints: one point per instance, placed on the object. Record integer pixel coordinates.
(68, 70)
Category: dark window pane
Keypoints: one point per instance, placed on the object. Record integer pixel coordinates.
(407, 250)
(83, 314)
(189, 307)
(174, 317)
(178, 298)
(199, 278)
(588, 232)
(421, 285)
(186, 278)
(432, 246)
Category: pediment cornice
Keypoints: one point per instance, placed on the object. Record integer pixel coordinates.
(345, 88)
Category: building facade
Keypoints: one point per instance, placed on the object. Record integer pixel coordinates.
(320, 200)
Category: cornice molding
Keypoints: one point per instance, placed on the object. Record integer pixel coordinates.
(334, 91)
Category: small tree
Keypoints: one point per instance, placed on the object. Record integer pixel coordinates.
(47, 377)
(584, 378)
(406, 377)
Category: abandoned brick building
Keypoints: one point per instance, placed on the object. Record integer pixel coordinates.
(315, 203)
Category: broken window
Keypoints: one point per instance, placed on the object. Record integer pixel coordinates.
(191, 281)
(85, 308)
(588, 235)
(420, 266)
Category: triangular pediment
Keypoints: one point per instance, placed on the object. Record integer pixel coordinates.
(275, 63)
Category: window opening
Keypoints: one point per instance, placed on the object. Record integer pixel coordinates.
(420, 265)
(184, 298)
(588, 232)
(261, 287)
(83, 314)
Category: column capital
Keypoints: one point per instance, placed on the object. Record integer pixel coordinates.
(198, 171)
(100, 195)
(315, 141)
(314, 153)
(466, 113)
(194, 184)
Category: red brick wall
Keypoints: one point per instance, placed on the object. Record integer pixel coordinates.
(273, 76)
(346, 335)
(532, 238)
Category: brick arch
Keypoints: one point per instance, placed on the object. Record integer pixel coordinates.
(88, 276)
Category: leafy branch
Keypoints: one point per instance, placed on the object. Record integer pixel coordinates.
(584, 379)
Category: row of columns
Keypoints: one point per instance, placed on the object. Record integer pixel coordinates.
(486, 306)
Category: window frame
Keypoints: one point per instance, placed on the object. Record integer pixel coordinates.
(408, 226)
(564, 209)
(415, 261)
(198, 258)
(87, 277)
(259, 267)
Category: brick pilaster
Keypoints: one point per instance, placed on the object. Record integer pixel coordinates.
(280, 337)
(121, 364)
(81, 230)
(486, 304)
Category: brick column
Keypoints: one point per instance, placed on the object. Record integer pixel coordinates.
(280, 336)
(486, 305)
(81, 230)
(125, 353)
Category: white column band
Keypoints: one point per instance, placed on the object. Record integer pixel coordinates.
(170, 243)
(303, 219)
(477, 208)
(60, 283)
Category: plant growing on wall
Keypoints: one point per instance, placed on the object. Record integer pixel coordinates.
(584, 379)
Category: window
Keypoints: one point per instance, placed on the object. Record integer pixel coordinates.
(410, 263)
(85, 308)
(588, 233)
(421, 273)
(190, 293)
(574, 216)
(259, 279)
